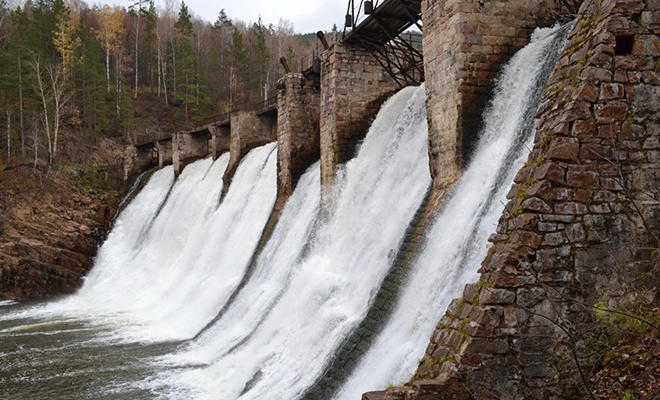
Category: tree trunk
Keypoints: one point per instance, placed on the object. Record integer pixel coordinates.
(8, 136)
(36, 64)
(137, 34)
(20, 104)
(174, 69)
(107, 66)
(160, 67)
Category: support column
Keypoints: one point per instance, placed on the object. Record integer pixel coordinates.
(219, 142)
(298, 144)
(353, 87)
(188, 147)
(465, 46)
(247, 132)
(137, 159)
(164, 150)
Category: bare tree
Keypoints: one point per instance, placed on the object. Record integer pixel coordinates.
(51, 86)
(41, 90)
(8, 135)
(138, 12)
(59, 86)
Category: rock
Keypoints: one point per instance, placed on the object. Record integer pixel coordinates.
(84, 229)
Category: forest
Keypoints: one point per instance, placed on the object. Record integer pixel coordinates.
(78, 73)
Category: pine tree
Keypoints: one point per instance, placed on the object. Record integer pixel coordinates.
(261, 58)
(186, 84)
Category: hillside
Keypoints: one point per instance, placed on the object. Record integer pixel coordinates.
(54, 217)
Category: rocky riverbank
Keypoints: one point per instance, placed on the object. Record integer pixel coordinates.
(52, 221)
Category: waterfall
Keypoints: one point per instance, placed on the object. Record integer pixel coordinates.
(303, 316)
(178, 306)
(458, 239)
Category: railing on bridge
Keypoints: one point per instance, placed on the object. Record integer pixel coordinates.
(146, 137)
(218, 119)
(384, 27)
(266, 107)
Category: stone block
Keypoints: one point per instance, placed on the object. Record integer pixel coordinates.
(541, 189)
(578, 177)
(553, 239)
(582, 129)
(647, 45)
(526, 238)
(536, 204)
(496, 296)
(575, 233)
(564, 149)
(550, 171)
(527, 298)
(615, 110)
(611, 91)
(570, 208)
(524, 221)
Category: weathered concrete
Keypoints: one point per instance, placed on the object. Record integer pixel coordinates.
(138, 159)
(581, 213)
(164, 151)
(298, 141)
(247, 132)
(465, 44)
(220, 140)
(353, 87)
(188, 147)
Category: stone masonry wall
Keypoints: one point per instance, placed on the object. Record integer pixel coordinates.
(466, 42)
(247, 132)
(582, 220)
(353, 87)
(298, 142)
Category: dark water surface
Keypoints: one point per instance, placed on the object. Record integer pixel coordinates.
(45, 357)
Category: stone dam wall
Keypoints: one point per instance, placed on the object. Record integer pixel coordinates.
(582, 212)
(581, 221)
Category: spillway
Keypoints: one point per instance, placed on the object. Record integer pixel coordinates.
(458, 239)
(181, 304)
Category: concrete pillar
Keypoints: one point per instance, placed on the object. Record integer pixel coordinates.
(220, 139)
(164, 150)
(298, 144)
(353, 87)
(188, 147)
(465, 45)
(247, 132)
(138, 159)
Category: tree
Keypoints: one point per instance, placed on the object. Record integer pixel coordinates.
(64, 39)
(184, 28)
(137, 11)
(261, 58)
(151, 17)
(4, 16)
(109, 35)
(239, 69)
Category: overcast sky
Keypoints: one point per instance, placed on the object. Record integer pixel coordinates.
(306, 16)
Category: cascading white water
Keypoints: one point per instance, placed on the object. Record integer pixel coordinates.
(129, 229)
(457, 241)
(175, 259)
(191, 260)
(328, 292)
(164, 272)
(269, 280)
